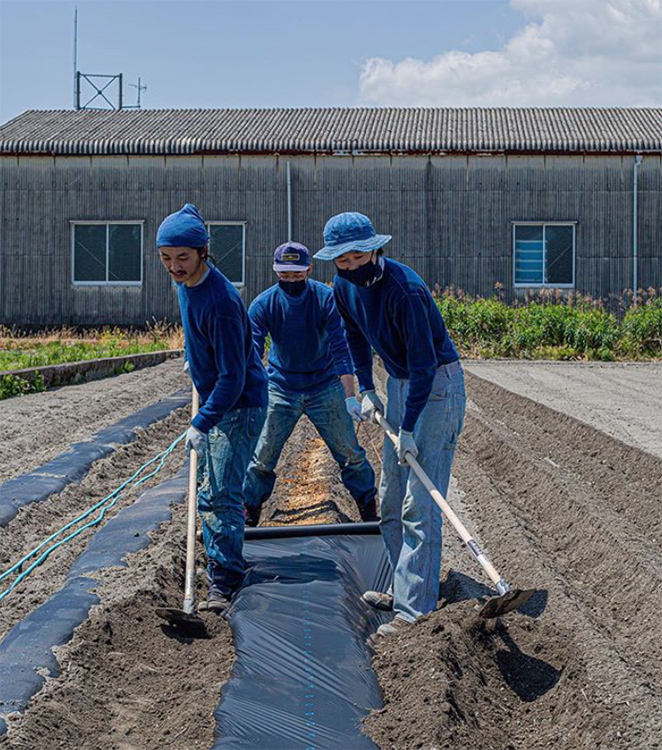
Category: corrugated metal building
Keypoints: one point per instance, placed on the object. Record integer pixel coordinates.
(525, 197)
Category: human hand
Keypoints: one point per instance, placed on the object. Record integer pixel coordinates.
(405, 445)
(370, 405)
(354, 408)
(197, 440)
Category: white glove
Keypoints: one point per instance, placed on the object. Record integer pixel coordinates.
(186, 366)
(405, 445)
(370, 404)
(353, 408)
(197, 440)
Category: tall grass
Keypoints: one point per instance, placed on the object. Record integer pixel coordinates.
(58, 346)
(553, 326)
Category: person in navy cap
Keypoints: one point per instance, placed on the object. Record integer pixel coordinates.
(310, 372)
(232, 384)
(387, 307)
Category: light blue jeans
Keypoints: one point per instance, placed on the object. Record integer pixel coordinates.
(327, 411)
(220, 494)
(411, 520)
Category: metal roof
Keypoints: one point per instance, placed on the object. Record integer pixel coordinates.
(334, 130)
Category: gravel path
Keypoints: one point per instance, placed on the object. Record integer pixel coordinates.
(623, 400)
(38, 427)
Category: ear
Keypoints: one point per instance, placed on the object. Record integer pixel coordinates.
(310, 269)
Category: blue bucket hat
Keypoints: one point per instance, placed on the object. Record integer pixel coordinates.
(350, 232)
(184, 228)
(291, 256)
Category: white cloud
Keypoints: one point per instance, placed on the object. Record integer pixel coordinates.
(570, 53)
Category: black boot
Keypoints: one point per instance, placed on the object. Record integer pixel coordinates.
(369, 511)
(252, 515)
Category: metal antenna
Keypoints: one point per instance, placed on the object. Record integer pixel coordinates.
(140, 90)
(75, 82)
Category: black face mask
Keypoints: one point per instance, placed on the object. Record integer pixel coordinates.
(364, 275)
(293, 288)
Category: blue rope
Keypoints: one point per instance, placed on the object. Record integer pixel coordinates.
(109, 501)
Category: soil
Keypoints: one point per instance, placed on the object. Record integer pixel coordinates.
(622, 399)
(38, 427)
(574, 513)
(557, 504)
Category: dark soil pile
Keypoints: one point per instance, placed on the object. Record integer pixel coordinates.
(575, 513)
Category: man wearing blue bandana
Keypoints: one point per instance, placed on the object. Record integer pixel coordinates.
(387, 307)
(310, 372)
(232, 384)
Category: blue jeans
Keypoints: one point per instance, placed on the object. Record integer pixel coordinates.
(411, 520)
(327, 411)
(220, 495)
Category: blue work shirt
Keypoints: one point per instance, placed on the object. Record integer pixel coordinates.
(399, 319)
(308, 346)
(223, 363)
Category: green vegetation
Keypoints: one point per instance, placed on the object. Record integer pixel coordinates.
(21, 351)
(12, 385)
(66, 345)
(553, 326)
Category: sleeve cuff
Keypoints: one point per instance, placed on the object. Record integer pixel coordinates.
(202, 423)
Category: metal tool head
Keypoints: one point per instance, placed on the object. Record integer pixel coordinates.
(180, 619)
(501, 605)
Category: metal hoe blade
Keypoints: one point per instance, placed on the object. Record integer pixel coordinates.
(179, 618)
(501, 605)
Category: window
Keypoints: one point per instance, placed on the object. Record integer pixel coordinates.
(227, 248)
(107, 253)
(544, 254)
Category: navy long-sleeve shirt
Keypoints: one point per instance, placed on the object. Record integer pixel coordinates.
(308, 346)
(223, 363)
(398, 317)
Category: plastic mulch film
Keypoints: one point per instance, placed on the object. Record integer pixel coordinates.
(302, 679)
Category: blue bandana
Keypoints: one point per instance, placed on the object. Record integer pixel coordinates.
(184, 228)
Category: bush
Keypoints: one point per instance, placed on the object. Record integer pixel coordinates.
(551, 326)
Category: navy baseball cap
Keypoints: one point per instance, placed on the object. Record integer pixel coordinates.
(291, 256)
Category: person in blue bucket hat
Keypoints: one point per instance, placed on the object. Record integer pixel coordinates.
(387, 307)
(232, 384)
(310, 372)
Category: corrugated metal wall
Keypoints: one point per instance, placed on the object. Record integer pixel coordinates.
(450, 217)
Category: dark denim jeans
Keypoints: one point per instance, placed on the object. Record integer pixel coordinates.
(411, 520)
(327, 411)
(220, 494)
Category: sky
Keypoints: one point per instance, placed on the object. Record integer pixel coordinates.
(326, 53)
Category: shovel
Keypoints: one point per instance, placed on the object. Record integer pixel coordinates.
(186, 617)
(509, 598)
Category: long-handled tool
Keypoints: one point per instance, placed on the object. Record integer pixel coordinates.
(187, 617)
(509, 598)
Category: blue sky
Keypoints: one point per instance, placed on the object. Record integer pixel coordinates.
(260, 53)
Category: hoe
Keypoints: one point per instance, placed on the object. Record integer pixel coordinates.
(187, 618)
(509, 598)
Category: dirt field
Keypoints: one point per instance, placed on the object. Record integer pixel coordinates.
(558, 505)
(622, 399)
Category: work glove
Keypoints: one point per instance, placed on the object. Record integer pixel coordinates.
(405, 445)
(354, 408)
(197, 440)
(371, 404)
(186, 367)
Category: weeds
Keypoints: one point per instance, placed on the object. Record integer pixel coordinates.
(54, 347)
(553, 325)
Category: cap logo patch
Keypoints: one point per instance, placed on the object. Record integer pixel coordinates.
(290, 256)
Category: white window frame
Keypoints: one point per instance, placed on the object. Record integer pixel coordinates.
(543, 224)
(103, 222)
(242, 224)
